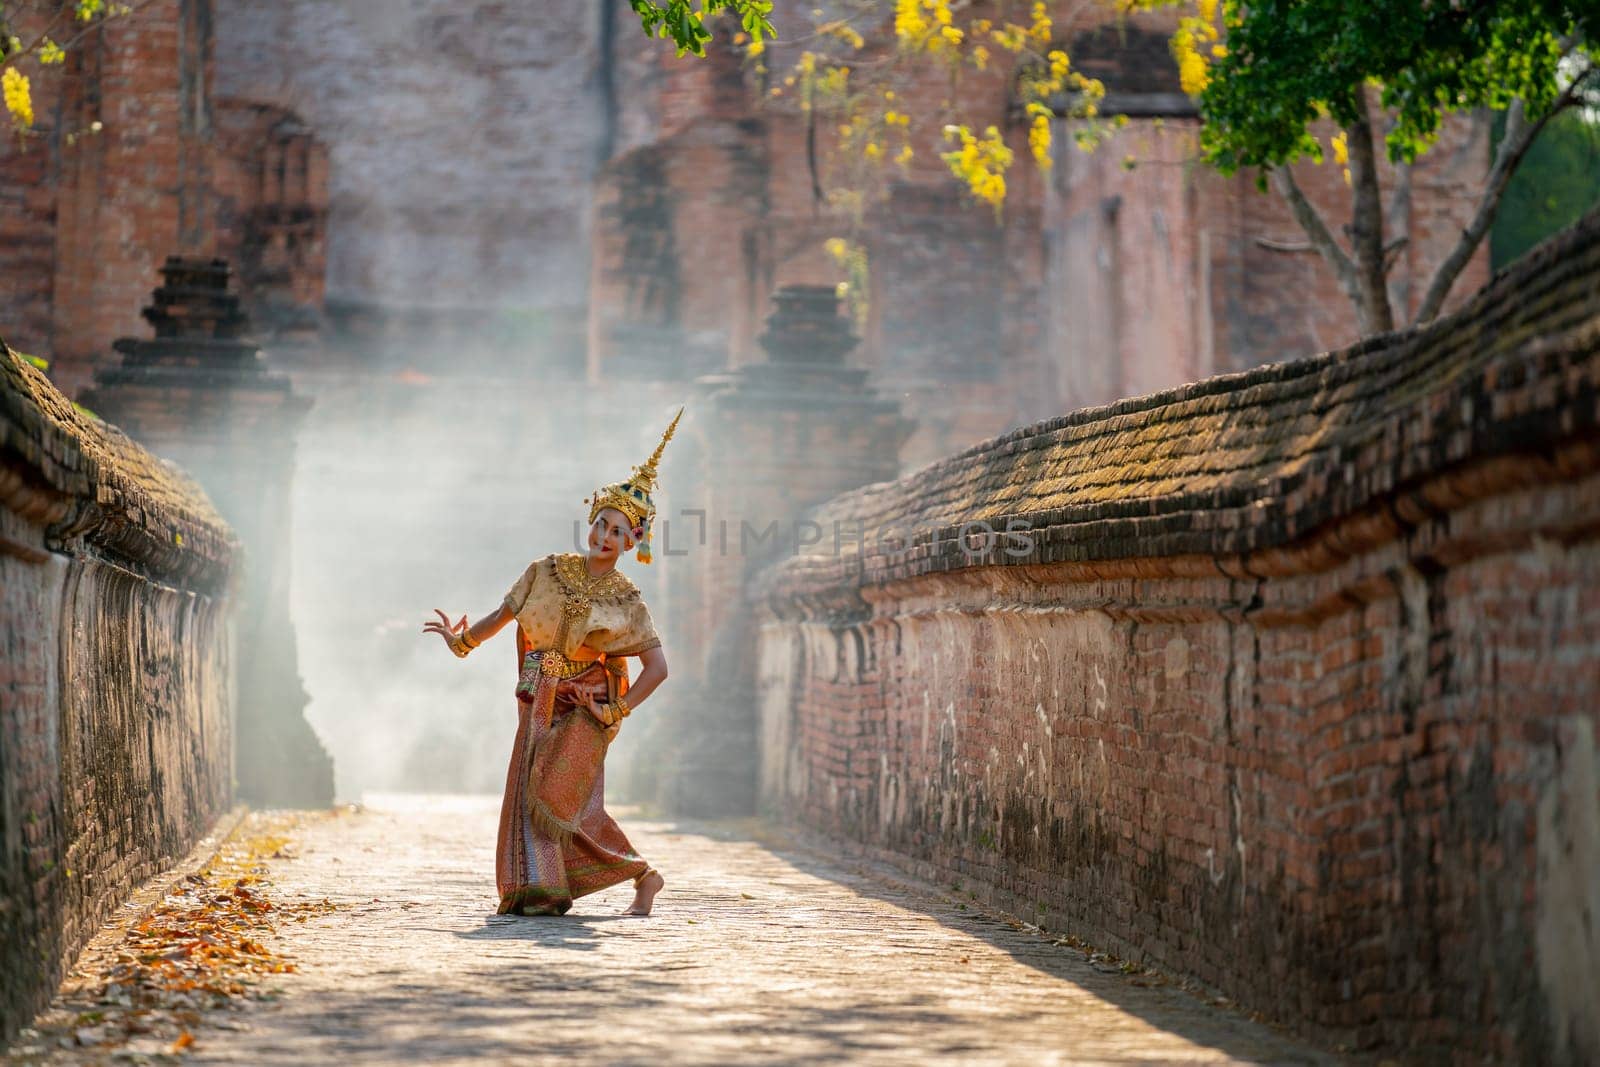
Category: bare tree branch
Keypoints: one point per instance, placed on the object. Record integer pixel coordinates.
(1274, 245)
(1398, 222)
(1392, 249)
(1322, 239)
(66, 45)
(38, 40)
(1519, 136)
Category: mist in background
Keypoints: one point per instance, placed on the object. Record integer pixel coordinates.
(414, 492)
(452, 438)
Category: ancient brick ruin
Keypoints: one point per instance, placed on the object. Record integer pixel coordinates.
(1288, 682)
(766, 442)
(199, 394)
(1097, 282)
(116, 723)
(1290, 687)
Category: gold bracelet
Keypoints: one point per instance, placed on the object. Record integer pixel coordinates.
(622, 707)
(458, 646)
(467, 639)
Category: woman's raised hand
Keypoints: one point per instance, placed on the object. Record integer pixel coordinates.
(445, 628)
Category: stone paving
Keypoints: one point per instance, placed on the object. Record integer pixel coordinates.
(756, 954)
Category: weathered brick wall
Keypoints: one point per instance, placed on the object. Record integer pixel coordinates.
(461, 139)
(133, 158)
(1095, 282)
(115, 735)
(1294, 687)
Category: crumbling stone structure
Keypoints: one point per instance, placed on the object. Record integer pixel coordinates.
(134, 156)
(199, 394)
(116, 742)
(1287, 680)
(764, 444)
(1096, 282)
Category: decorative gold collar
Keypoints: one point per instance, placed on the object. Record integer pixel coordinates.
(573, 573)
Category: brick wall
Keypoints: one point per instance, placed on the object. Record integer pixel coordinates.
(115, 731)
(1095, 282)
(461, 141)
(133, 158)
(1292, 688)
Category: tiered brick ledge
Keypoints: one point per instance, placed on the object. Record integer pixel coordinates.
(80, 478)
(1293, 690)
(116, 732)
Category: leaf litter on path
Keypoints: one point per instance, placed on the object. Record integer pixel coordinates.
(208, 945)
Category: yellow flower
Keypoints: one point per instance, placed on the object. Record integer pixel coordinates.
(1039, 140)
(1040, 30)
(910, 24)
(904, 155)
(1341, 148)
(19, 100)
(1192, 72)
(980, 163)
(873, 151)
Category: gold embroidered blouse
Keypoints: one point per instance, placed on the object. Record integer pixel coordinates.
(559, 606)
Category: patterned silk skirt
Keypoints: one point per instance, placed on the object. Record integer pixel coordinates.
(556, 841)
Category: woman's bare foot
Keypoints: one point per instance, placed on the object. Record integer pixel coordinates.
(644, 893)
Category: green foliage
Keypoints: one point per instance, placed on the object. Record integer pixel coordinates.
(686, 26)
(1558, 182)
(1289, 62)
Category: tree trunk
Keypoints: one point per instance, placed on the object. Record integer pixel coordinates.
(1366, 226)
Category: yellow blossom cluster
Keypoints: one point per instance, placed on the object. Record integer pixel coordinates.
(873, 129)
(1039, 139)
(1196, 32)
(926, 26)
(981, 162)
(1340, 143)
(19, 97)
(15, 85)
(1043, 86)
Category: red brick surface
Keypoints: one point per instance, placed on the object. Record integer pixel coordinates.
(1097, 282)
(116, 747)
(91, 211)
(1326, 743)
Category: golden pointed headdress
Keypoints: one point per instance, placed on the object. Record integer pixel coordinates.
(632, 497)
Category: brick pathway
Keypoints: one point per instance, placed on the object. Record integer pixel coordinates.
(753, 957)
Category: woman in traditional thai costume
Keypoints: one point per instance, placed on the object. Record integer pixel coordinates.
(578, 620)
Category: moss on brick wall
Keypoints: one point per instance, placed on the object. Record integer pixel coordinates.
(1293, 688)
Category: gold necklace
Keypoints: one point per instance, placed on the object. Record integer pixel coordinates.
(574, 606)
